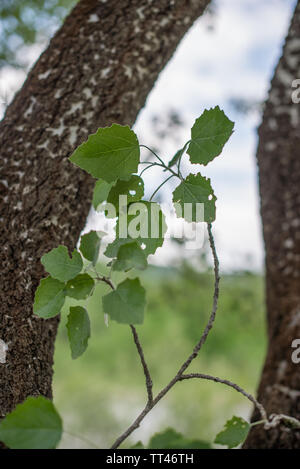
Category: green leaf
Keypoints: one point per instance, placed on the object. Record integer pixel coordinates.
(79, 330)
(145, 223)
(101, 191)
(112, 249)
(234, 433)
(34, 424)
(80, 287)
(49, 298)
(170, 439)
(60, 266)
(133, 189)
(195, 189)
(210, 132)
(111, 153)
(90, 246)
(126, 304)
(130, 256)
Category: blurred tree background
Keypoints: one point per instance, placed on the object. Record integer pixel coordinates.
(100, 394)
(26, 23)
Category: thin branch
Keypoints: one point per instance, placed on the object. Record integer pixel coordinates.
(132, 427)
(107, 281)
(153, 153)
(193, 355)
(180, 376)
(166, 168)
(147, 167)
(149, 383)
(230, 384)
(216, 289)
(160, 186)
(276, 419)
(180, 158)
(212, 317)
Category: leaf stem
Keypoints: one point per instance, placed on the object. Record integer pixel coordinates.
(149, 383)
(258, 422)
(182, 153)
(147, 167)
(232, 385)
(166, 168)
(180, 376)
(160, 186)
(191, 357)
(153, 153)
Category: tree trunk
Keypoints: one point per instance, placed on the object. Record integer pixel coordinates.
(278, 158)
(98, 69)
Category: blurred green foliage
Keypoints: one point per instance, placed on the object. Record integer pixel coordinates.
(27, 22)
(101, 393)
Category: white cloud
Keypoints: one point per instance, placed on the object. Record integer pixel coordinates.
(208, 68)
(235, 60)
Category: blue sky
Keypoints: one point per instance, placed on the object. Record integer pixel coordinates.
(235, 60)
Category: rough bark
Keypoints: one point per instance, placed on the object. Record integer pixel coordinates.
(278, 159)
(98, 69)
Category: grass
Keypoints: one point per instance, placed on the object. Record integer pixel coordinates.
(101, 393)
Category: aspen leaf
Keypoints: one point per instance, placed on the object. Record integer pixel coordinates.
(60, 266)
(90, 246)
(109, 154)
(79, 330)
(101, 191)
(49, 298)
(234, 433)
(34, 424)
(193, 190)
(145, 224)
(130, 256)
(80, 287)
(133, 189)
(210, 132)
(126, 304)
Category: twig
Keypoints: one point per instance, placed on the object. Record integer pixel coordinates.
(214, 307)
(230, 384)
(107, 281)
(149, 383)
(153, 153)
(194, 354)
(147, 167)
(166, 168)
(133, 426)
(160, 186)
(276, 419)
